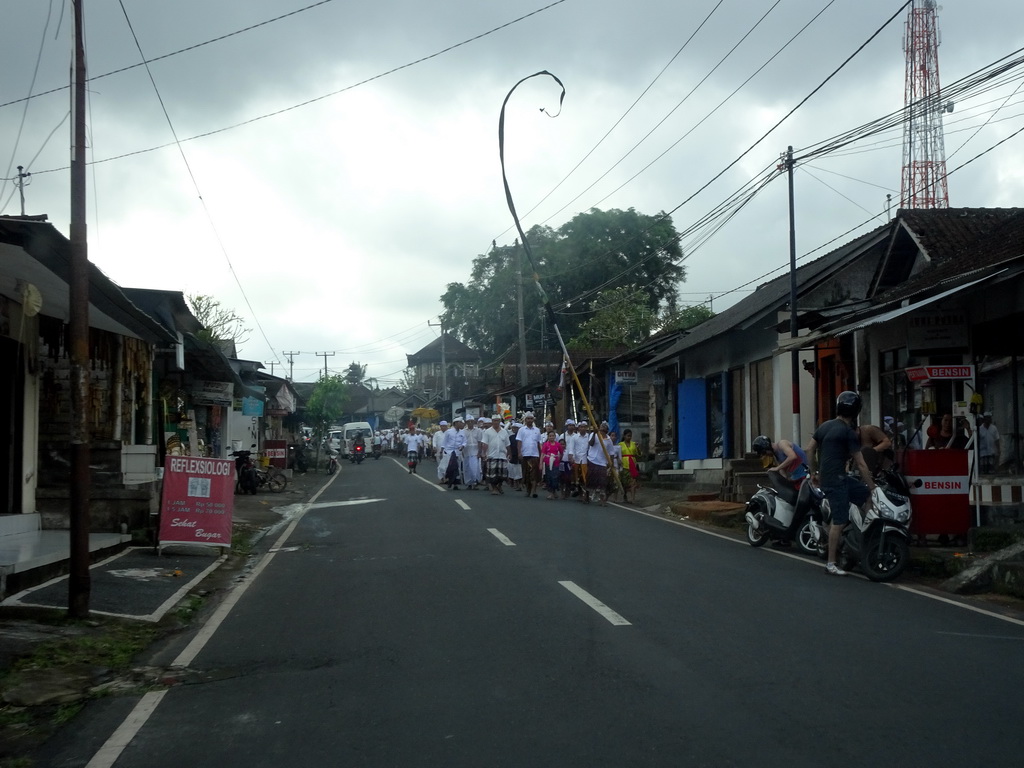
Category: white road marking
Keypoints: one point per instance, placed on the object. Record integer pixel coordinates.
(596, 604)
(432, 483)
(463, 504)
(818, 564)
(346, 503)
(112, 748)
(125, 732)
(501, 537)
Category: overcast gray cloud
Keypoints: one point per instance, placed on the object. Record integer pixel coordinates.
(368, 202)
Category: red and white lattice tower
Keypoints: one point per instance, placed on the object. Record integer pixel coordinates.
(924, 153)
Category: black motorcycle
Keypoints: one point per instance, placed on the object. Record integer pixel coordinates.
(246, 479)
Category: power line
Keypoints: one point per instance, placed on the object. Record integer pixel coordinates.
(195, 184)
(317, 98)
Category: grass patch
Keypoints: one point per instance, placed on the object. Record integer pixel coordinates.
(189, 607)
(111, 645)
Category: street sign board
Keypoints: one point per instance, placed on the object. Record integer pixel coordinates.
(625, 378)
(941, 372)
(198, 501)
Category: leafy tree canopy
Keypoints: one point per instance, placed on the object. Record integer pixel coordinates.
(326, 403)
(593, 252)
(219, 323)
(355, 373)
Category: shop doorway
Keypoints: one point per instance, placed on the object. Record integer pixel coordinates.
(12, 420)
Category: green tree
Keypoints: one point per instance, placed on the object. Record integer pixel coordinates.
(219, 323)
(620, 317)
(594, 252)
(355, 373)
(684, 318)
(326, 404)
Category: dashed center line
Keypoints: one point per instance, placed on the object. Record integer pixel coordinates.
(597, 605)
(501, 537)
(462, 504)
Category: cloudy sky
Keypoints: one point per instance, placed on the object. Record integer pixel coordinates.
(338, 167)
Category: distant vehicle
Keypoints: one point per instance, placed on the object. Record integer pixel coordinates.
(350, 431)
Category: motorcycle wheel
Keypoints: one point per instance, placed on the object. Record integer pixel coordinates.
(755, 537)
(805, 538)
(887, 564)
(277, 482)
(331, 466)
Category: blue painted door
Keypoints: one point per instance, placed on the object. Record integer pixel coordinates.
(691, 409)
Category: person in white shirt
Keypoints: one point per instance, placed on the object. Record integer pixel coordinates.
(989, 444)
(529, 438)
(471, 455)
(494, 443)
(412, 443)
(578, 454)
(437, 442)
(454, 442)
(599, 448)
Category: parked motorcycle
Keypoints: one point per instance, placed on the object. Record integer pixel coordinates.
(332, 462)
(245, 473)
(877, 540)
(784, 513)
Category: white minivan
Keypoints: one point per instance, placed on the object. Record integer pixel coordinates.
(349, 432)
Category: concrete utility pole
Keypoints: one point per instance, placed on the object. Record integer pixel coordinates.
(291, 362)
(324, 355)
(79, 580)
(21, 186)
(793, 324)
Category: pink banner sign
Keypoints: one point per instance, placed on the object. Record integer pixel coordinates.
(198, 501)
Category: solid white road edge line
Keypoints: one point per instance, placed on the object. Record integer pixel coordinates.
(501, 537)
(125, 732)
(122, 737)
(597, 605)
(798, 558)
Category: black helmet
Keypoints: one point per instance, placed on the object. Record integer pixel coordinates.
(762, 445)
(848, 404)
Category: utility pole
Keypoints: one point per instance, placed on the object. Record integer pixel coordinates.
(79, 580)
(324, 355)
(444, 362)
(291, 362)
(793, 324)
(523, 379)
(21, 186)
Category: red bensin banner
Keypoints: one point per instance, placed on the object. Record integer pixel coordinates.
(198, 501)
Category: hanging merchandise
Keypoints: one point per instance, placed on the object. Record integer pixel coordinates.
(977, 403)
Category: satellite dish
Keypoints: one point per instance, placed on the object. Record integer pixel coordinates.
(31, 299)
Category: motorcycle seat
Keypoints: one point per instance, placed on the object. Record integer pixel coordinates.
(786, 490)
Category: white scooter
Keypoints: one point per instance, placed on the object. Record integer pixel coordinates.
(783, 513)
(878, 539)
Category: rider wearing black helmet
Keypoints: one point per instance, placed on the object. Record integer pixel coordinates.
(832, 446)
(789, 459)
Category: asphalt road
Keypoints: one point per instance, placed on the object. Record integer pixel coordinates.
(403, 625)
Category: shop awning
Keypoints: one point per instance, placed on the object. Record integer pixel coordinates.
(810, 339)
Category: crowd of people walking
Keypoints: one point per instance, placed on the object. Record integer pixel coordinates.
(589, 465)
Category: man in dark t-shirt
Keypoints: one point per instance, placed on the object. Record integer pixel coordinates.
(832, 446)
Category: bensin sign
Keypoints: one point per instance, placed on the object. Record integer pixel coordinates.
(198, 501)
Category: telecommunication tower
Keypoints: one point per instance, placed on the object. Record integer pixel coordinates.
(924, 154)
